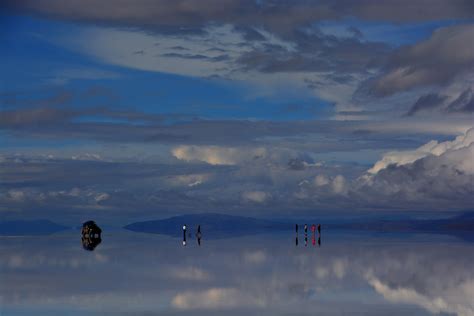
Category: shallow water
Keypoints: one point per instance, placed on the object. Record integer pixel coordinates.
(267, 274)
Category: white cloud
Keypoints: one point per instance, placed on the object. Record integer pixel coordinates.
(214, 298)
(400, 158)
(101, 197)
(255, 257)
(339, 268)
(321, 180)
(434, 176)
(255, 196)
(217, 155)
(16, 195)
(339, 184)
(189, 180)
(190, 273)
(438, 304)
(154, 52)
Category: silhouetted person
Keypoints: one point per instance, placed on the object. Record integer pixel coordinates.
(296, 234)
(319, 228)
(305, 229)
(199, 235)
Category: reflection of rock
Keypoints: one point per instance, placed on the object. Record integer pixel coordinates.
(90, 243)
(91, 235)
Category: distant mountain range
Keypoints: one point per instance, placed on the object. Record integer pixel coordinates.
(224, 226)
(29, 227)
(213, 225)
(461, 226)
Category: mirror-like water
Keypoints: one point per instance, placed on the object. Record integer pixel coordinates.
(145, 274)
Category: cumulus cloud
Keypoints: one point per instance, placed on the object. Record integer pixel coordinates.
(190, 180)
(255, 257)
(399, 158)
(16, 195)
(339, 184)
(321, 180)
(433, 304)
(191, 273)
(214, 298)
(216, 155)
(101, 197)
(255, 196)
(434, 175)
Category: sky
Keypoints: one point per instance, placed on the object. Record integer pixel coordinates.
(145, 109)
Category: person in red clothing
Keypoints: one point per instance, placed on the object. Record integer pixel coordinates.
(313, 229)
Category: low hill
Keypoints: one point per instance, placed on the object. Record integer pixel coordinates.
(212, 225)
(29, 227)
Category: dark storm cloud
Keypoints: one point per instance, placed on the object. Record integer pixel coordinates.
(281, 17)
(448, 53)
(316, 52)
(437, 60)
(426, 102)
(355, 31)
(464, 103)
(19, 99)
(136, 127)
(35, 117)
(223, 57)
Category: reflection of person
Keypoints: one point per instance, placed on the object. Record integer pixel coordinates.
(199, 235)
(305, 235)
(296, 236)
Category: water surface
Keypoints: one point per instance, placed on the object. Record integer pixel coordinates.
(145, 274)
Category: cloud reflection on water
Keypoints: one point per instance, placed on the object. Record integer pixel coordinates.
(137, 273)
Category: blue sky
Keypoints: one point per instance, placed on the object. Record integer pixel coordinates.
(231, 109)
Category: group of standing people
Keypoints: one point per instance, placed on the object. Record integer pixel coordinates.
(313, 230)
